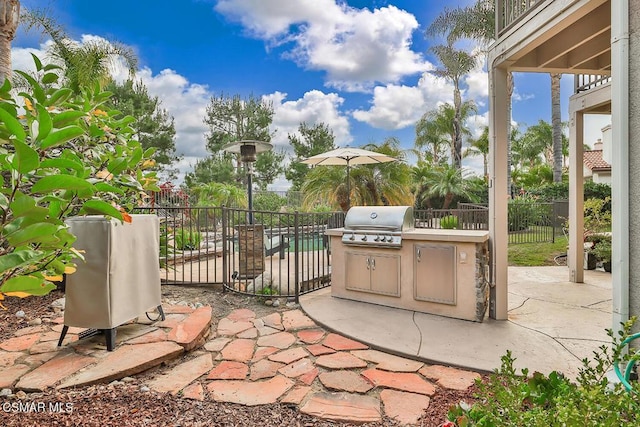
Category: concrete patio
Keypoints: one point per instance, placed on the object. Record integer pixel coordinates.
(553, 324)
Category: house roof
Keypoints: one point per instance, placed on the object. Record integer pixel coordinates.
(593, 160)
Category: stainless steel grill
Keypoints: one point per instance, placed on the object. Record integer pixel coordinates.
(377, 226)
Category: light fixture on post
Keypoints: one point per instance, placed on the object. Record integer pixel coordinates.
(9, 19)
(248, 150)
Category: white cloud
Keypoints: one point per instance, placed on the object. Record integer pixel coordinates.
(356, 47)
(399, 106)
(314, 107)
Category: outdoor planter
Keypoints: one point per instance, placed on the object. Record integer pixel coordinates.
(120, 277)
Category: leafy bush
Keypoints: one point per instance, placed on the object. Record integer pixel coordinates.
(60, 155)
(268, 201)
(525, 211)
(560, 191)
(187, 239)
(449, 222)
(508, 399)
(597, 215)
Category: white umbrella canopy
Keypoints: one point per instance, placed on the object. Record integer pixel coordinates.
(347, 157)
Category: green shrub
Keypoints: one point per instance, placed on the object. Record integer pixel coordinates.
(508, 399)
(187, 239)
(449, 222)
(60, 155)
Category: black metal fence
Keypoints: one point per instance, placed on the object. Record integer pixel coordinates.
(461, 219)
(257, 253)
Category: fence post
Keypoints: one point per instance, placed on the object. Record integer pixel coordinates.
(225, 252)
(296, 243)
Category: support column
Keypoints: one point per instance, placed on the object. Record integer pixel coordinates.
(575, 255)
(499, 125)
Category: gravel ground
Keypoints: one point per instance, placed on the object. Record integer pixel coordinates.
(127, 404)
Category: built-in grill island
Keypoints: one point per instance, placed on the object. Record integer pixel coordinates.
(379, 257)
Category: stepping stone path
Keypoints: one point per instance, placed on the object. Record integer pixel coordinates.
(280, 358)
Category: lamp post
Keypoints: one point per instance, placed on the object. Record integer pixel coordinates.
(248, 150)
(9, 18)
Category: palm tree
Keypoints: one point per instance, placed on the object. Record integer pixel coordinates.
(436, 129)
(556, 123)
(535, 145)
(377, 184)
(219, 194)
(9, 13)
(443, 181)
(84, 64)
(455, 65)
(480, 147)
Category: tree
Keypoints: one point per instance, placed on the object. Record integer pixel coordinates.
(436, 129)
(377, 184)
(8, 26)
(455, 64)
(219, 194)
(556, 123)
(313, 139)
(155, 128)
(215, 168)
(63, 155)
(443, 181)
(269, 165)
(84, 64)
(480, 147)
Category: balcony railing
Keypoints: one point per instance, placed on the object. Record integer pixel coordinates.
(509, 12)
(585, 82)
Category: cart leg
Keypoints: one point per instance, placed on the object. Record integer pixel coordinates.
(65, 328)
(110, 337)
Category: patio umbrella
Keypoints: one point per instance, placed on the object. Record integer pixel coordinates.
(347, 157)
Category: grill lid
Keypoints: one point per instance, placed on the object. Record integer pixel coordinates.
(379, 218)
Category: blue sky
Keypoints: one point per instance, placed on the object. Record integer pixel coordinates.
(360, 66)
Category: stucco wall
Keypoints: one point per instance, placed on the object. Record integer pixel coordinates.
(634, 158)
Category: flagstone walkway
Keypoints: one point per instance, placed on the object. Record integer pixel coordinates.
(282, 357)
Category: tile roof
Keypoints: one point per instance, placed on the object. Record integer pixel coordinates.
(593, 160)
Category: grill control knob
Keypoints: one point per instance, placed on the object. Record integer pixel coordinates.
(377, 239)
(364, 238)
(353, 237)
(390, 239)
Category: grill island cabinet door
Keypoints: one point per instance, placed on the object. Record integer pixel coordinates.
(435, 273)
(385, 274)
(357, 271)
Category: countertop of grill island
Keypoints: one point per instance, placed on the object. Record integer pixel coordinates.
(440, 235)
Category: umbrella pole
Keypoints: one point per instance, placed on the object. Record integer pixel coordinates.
(348, 187)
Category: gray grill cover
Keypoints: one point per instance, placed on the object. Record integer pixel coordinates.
(379, 218)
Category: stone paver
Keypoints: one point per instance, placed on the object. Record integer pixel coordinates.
(249, 333)
(406, 408)
(229, 370)
(54, 370)
(451, 378)
(296, 319)
(388, 362)
(310, 336)
(20, 343)
(182, 375)
(44, 347)
(38, 359)
(216, 344)
(191, 332)
(264, 369)
(125, 361)
(345, 381)
(273, 320)
(289, 356)
(153, 336)
(240, 350)
(338, 342)
(8, 358)
(193, 391)
(296, 395)
(11, 374)
(230, 328)
(242, 315)
(345, 407)
(340, 360)
(309, 377)
(30, 330)
(280, 340)
(250, 393)
(171, 321)
(177, 309)
(297, 368)
(319, 349)
(404, 381)
(262, 352)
